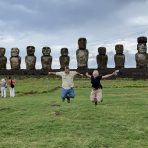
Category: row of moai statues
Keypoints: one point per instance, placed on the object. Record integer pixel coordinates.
(82, 55)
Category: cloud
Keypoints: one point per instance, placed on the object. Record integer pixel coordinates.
(59, 24)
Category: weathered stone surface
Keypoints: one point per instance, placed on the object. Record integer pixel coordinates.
(82, 54)
(119, 57)
(15, 59)
(142, 39)
(64, 58)
(46, 58)
(102, 58)
(3, 59)
(30, 59)
(141, 56)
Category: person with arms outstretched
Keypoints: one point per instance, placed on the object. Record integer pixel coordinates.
(96, 93)
(67, 91)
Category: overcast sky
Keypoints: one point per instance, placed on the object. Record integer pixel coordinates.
(59, 23)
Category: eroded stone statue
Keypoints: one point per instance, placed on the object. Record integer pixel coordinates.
(82, 54)
(102, 58)
(64, 58)
(15, 59)
(119, 57)
(30, 59)
(141, 56)
(46, 59)
(3, 59)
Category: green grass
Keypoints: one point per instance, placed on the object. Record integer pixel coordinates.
(36, 117)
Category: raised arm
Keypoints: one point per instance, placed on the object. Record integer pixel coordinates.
(79, 74)
(108, 75)
(88, 75)
(51, 73)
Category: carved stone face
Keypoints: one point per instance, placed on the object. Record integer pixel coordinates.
(2, 52)
(102, 50)
(82, 43)
(30, 50)
(141, 48)
(14, 52)
(64, 51)
(46, 51)
(119, 49)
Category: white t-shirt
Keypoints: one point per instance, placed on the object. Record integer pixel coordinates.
(67, 79)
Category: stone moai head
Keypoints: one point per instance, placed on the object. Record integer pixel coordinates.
(14, 52)
(119, 49)
(82, 43)
(30, 50)
(102, 50)
(64, 51)
(2, 51)
(46, 51)
(141, 46)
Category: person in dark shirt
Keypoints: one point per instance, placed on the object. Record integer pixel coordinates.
(96, 93)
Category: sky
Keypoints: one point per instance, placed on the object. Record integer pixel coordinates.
(60, 23)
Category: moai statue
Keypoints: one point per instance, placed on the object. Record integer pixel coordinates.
(82, 54)
(15, 59)
(102, 58)
(3, 59)
(119, 57)
(141, 56)
(64, 58)
(46, 59)
(30, 59)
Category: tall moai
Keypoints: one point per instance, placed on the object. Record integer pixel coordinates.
(82, 54)
(46, 58)
(102, 58)
(64, 58)
(119, 57)
(141, 56)
(15, 59)
(30, 59)
(3, 59)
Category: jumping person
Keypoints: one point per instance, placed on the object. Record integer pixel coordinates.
(3, 87)
(11, 87)
(67, 91)
(96, 93)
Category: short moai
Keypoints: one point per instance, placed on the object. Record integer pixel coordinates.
(3, 59)
(46, 58)
(141, 56)
(119, 57)
(64, 58)
(102, 58)
(15, 59)
(30, 59)
(82, 54)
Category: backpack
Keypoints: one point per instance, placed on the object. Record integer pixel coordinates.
(12, 85)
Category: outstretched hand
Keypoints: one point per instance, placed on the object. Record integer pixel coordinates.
(116, 72)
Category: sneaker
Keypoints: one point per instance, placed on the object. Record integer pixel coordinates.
(96, 102)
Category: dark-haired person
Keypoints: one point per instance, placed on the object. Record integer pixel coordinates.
(67, 83)
(11, 86)
(96, 93)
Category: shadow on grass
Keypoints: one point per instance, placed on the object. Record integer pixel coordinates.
(31, 93)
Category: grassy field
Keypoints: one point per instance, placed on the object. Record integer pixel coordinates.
(37, 118)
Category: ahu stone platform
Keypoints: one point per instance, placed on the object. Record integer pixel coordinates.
(132, 73)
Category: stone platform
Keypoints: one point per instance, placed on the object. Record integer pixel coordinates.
(133, 73)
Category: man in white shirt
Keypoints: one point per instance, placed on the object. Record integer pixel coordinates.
(67, 83)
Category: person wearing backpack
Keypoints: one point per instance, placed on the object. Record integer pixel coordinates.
(11, 87)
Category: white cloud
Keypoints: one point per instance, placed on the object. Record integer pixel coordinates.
(59, 24)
